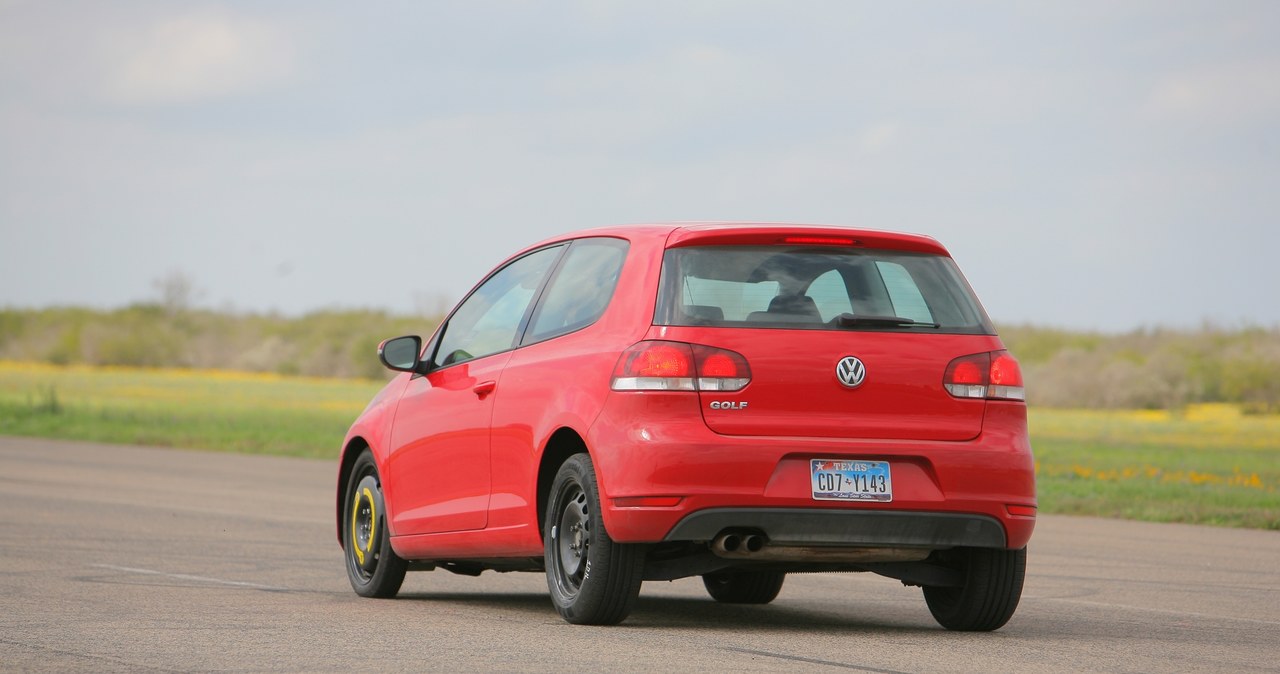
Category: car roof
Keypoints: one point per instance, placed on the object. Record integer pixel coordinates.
(761, 233)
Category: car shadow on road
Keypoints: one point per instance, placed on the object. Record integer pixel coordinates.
(694, 613)
(689, 612)
(516, 602)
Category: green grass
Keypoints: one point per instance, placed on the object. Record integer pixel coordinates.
(1210, 464)
(218, 410)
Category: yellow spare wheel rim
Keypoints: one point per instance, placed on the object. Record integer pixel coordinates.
(365, 505)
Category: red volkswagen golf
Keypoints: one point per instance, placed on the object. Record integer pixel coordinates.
(731, 401)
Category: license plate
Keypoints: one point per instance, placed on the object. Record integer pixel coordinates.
(842, 480)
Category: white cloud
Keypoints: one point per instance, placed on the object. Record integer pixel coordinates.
(879, 136)
(1218, 93)
(681, 79)
(197, 57)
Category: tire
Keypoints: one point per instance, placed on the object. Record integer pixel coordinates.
(990, 594)
(373, 567)
(744, 587)
(593, 581)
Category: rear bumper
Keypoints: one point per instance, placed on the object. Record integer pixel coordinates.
(845, 527)
(664, 476)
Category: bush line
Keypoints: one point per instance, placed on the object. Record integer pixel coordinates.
(1147, 368)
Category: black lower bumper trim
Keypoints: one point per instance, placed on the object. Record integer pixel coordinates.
(843, 527)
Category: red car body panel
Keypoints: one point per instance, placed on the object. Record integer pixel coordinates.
(460, 449)
(438, 472)
(705, 471)
(783, 401)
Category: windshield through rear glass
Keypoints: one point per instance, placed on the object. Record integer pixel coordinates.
(817, 289)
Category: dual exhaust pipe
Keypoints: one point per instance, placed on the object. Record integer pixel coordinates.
(752, 545)
(738, 545)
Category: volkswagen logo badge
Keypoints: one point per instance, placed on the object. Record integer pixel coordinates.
(851, 372)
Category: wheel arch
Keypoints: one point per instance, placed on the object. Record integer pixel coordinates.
(350, 453)
(563, 443)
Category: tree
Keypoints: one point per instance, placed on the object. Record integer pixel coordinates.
(177, 291)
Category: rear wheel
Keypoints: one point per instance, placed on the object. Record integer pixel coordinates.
(990, 594)
(744, 587)
(593, 581)
(373, 567)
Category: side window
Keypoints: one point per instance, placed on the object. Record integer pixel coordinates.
(581, 288)
(903, 292)
(830, 294)
(489, 320)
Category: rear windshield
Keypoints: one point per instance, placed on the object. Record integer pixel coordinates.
(816, 289)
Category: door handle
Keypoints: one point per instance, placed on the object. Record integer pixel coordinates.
(484, 388)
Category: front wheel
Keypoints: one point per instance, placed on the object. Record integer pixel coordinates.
(593, 581)
(990, 593)
(373, 567)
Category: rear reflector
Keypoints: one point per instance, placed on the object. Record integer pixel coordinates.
(1021, 510)
(656, 365)
(646, 501)
(990, 376)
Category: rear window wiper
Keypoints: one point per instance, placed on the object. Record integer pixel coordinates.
(865, 320)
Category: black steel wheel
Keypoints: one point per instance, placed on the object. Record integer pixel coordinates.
(744, 587)
(373, 567)
(593, 581)
(991, 590)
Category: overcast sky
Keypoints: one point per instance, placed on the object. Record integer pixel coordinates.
(1102, 165)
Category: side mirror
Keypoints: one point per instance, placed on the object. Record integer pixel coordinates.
(402, 353)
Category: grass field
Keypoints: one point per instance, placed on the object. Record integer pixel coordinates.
(1209, 464)
(254, 413)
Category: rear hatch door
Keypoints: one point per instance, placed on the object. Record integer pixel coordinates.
(810, 322)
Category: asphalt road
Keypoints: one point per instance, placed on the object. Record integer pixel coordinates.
(135, 559)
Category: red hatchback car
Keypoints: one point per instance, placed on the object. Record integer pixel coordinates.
(731, 401)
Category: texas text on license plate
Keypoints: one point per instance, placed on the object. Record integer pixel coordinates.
(842, 480)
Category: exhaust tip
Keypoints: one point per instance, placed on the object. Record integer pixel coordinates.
(738, 544)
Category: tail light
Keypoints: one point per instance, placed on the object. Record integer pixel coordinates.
(993, 376)
(675, 366)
